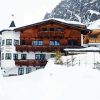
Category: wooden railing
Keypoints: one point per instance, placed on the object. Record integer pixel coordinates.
(31, 62)
(22, 48)
(27, 48)
(49, 34)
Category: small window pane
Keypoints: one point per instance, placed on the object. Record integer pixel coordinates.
(8, 56)
(37, 42)
(9, 42)
(3, 41)
(16, 42)
(20, 71)
(54, 42)
(40, 56)
(15, 56)
(23, 56)
(57, 43)
(2, 56)
(52, 55)
(28, 70)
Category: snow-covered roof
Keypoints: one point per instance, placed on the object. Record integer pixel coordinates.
(10, 28)
(62, 21)
(7, 29)
(65, 21)
(88, 49)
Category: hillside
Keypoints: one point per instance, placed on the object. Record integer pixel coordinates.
(84, 11)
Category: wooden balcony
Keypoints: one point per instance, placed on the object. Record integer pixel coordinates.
(27, 48)
(49, 34)
(31, 62)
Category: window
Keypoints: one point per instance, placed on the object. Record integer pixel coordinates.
(3, 41)
(8, 56)
(23, 56)
(2, 56)
(40, 56)
(52, 55)
(8, 41)
(52, 29)
(0, 42)
(20, 71)
(28, 70)
(93, 36)
(54, 42)
(37, 42)
(72, 42)
(15, 56)
(16, 42)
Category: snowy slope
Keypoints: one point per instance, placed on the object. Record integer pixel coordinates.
(94, 24)
(55, 82)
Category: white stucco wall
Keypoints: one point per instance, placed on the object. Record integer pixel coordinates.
(9, 48)
(14, 71)
(31, 55)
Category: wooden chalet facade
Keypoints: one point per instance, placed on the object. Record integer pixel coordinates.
(38, 42)
(48, 36)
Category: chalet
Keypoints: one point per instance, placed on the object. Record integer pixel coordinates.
(93, 39)
(28, 48)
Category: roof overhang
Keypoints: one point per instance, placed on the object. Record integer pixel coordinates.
(51, 21)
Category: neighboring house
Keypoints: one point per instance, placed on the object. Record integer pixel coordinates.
(28, 48)
(93, 39)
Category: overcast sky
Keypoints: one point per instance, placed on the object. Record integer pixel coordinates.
(25, 11)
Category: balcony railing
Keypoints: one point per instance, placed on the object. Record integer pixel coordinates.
(22, 48)
(27, 48)
(49, 34)
(31, 62)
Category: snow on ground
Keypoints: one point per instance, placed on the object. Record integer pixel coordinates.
(56, 82)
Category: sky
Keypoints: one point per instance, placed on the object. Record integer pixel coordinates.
(25, 11)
